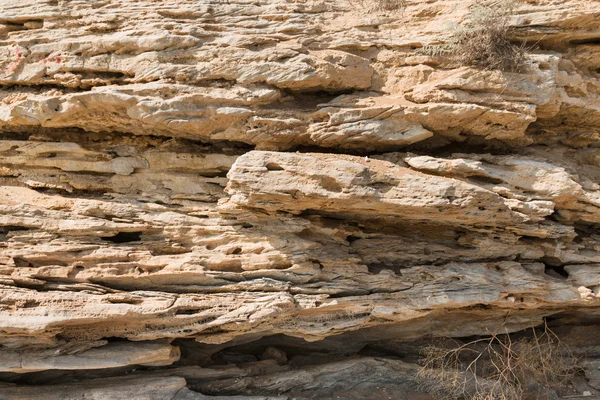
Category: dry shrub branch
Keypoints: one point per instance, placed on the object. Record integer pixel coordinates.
(483, 40)
(498, 368)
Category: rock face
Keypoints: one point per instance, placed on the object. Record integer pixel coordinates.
(251, 199)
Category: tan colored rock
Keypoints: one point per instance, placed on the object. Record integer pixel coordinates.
(369, 187)
(544, 187)
(450, 103)
(289, 181)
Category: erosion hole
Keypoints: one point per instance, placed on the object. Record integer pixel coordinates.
(124, 237)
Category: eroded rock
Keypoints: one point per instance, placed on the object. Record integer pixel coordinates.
(188, 188)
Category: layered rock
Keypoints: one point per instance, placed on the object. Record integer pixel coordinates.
(230, 199)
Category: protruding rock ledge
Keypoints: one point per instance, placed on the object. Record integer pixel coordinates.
(111, 355)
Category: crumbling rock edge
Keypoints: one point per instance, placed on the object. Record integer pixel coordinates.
(269, 199)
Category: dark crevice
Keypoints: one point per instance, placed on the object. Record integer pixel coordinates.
(220, 174)
(273, 167)
(554, 268)
(22, 262)
(592, 41)
(125, 301)
(73, 194)
(158, 249)
(438, 146)
(585, 231)
(12, 228)
(43, 87)
(110, 75)
(95, 140)
(477, 307)
(310, 99)
(226, 357)
(188, 312)
(213, 146)
(352, 238)
(485, 180)
(554, 217)
(377, 268)
(445, 147)
(219, 83)
(22, 25)
(124, 237)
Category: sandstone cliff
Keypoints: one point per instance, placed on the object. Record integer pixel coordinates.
(282, 199)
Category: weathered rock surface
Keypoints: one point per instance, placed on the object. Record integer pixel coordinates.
(269, 199)
(107, 356)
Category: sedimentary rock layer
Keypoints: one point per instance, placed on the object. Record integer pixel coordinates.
(224, 199)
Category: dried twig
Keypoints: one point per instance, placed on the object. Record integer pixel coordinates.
(497, 367)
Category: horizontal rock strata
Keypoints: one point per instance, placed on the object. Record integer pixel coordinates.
(269, 199)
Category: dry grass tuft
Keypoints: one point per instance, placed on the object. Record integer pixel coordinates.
(385, 5)
(483, 40)
(496, 368)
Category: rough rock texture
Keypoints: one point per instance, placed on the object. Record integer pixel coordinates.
(267, 199)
